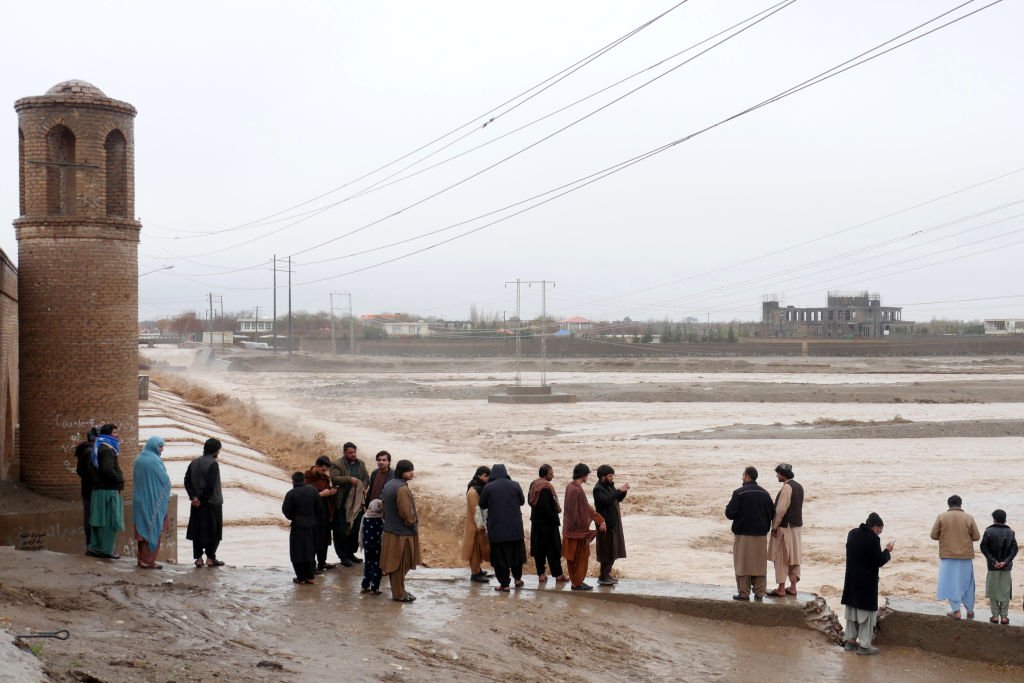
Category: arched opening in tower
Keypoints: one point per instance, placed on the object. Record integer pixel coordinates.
(60, 172)
(116, 148)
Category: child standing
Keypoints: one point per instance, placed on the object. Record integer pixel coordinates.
(999, 546)
(370, 532)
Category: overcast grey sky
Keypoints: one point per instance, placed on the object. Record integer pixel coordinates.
(247, 109)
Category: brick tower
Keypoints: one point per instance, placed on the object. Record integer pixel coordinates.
(77, 280)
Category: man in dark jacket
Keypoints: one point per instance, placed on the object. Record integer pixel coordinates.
(999, 546)
(503, 500)
(302, 506)
(206, 513)
(316, 476)
(106, 509)
(545, 536)
(83, 458)
(611, 544)
(864, 556)
(751, 510)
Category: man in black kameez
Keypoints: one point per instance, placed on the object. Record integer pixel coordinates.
(545, 535)
(206, 516)
(611, 544)
(303, 507)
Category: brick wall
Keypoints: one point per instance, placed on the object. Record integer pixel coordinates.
(9, 470)
(77, 281)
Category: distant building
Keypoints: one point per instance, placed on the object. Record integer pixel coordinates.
(845, 315)
(451, 325)
(1004, 326)
(406, 329)
(576, 324)
(249, 326)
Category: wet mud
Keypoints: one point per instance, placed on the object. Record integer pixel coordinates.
(235, 624)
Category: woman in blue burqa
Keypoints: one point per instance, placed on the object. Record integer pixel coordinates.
(149, 502)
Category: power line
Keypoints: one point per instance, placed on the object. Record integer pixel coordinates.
(847, 65)
(525, 96)
(751, 22)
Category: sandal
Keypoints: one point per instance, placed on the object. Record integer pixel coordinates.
(214, 562)
(1004, 621)
(970, 615)
(776, 593)
(520, 583)
(994, 620)
(199, 563)
(407, 598)
(791, 591)
(151, 566)
(954, 615)
(502, 589)
(561, 579)
(542, 578)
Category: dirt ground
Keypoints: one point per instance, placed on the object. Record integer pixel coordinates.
(892, 435)
(234, 624)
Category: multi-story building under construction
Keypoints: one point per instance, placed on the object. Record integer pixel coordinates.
(846, 315)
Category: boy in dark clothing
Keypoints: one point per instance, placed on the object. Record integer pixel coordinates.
(301, 506)
(999, 546)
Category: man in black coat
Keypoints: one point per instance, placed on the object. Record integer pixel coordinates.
(503, 500)
(864, 557)
(611, 544)
(751, 510)
(302, 506)
(83, 458)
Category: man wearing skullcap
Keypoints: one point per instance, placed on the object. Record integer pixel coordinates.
(784, 547)
(206, 516)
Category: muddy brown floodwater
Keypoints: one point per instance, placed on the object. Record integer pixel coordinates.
(683, 456)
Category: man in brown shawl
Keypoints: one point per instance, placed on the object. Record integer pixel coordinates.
(475, 547)
(576, 530)
(400, 547)
(545, 540)
(751, 511)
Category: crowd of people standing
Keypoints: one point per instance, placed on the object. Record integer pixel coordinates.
(375, 512)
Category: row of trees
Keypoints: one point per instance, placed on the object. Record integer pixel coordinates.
(313, 324)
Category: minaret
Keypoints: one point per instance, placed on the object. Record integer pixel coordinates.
(77, 280)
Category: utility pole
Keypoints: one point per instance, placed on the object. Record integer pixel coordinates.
(543, 334)
(289, 305)
(274, 324)
(334, 343)
(351, 323)
(210, 314)
(519, 325)
(256, 335)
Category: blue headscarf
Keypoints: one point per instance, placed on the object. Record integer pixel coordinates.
(110, 441)
(152, 492)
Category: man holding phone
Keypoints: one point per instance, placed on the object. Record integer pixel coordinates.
(864, 557)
